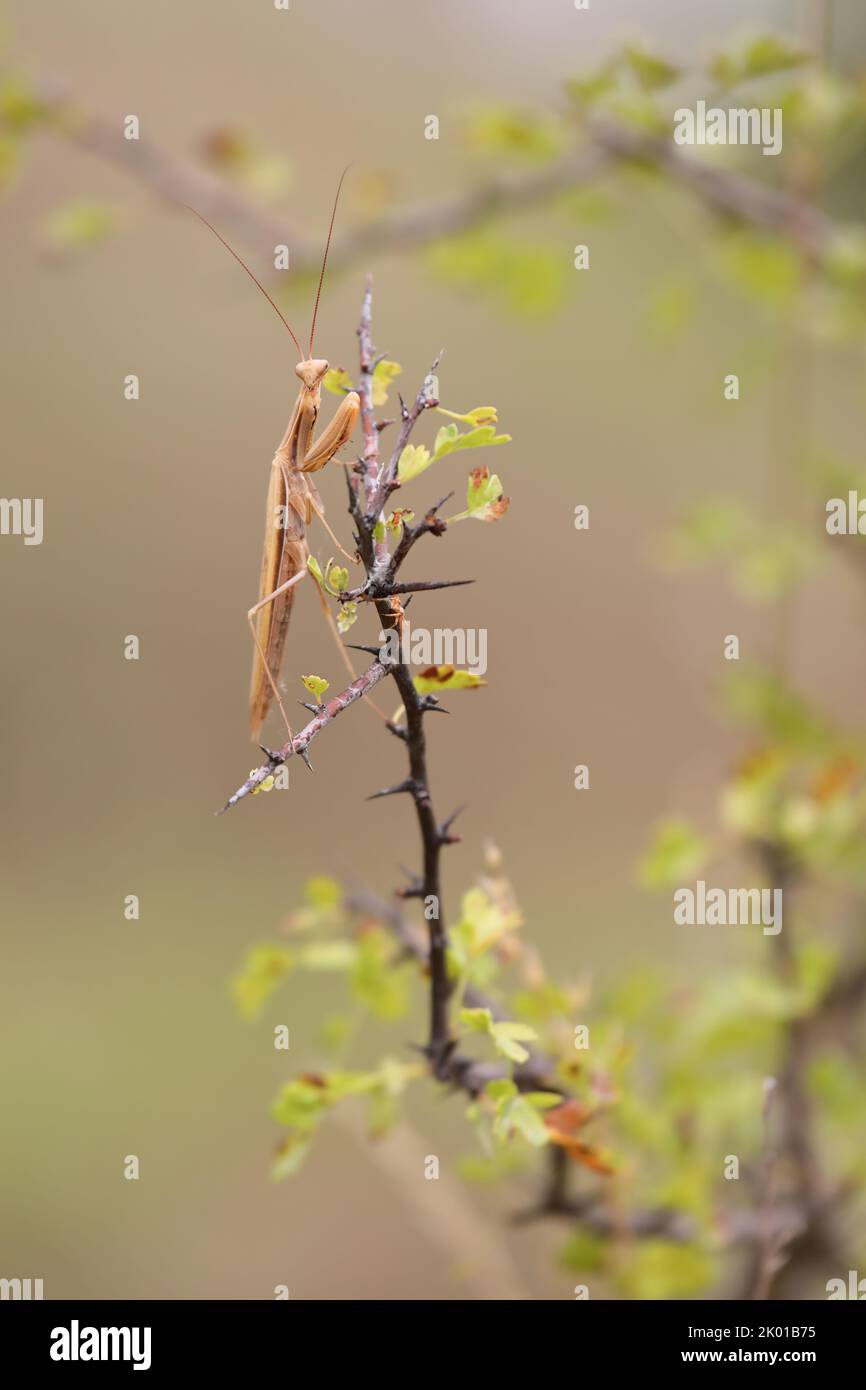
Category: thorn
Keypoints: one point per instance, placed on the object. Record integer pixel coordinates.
(306, 757)
(271, 756)
(431, 511)
(361, 647)
(414, 888)
(407, 602)
(397, 730)
(305, 704)
(428, 704)
(419, 585)
(445, 838)
(407, 786)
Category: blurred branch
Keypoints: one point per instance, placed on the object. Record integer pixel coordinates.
(408, 229)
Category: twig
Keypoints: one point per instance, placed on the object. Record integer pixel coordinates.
(301, 741)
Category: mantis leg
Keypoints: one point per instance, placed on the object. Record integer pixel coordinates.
(251, 619)
(353, 559)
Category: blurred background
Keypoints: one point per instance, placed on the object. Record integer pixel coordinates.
(121, 1037)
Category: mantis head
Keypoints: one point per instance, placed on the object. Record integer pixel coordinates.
(311, 371)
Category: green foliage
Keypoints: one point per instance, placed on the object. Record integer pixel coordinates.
(674, 856)
(484, 499)
(334, 580)
(264, 969)
(347, 616)
(763, 56)
(484, 923)
(767, 267)
(338, 381)
(651, 71)
(435, 679)
(317, 685)
(376, 982)
(516, 1113)
(413, 461)
(762, 700)
(662, 1269)
(77, 224)
(302, 1104)
(21, 108)
(765, 558)
(508, 131)
(508, 1038)
(416, 458)
(525, 277)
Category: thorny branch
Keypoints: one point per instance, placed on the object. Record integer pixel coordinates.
(370, 486)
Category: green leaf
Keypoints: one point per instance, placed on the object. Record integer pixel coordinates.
(264, 969)
(674, 856)
(20, 107)
(77, 224)
(337, 381)
(651, 72)
(583, 1252)
(763, 56)
(766, 266)
(479, 415)
(503, 1088)
(413, 461)
(436, 678)
(484, 498)
(483, 922)
(587, 90)
(300, 1104)
(449, 439)
(762, 700)
(321, 891)
(528, 279)
(328, 955)
(376, 981)
(517, 1115)
(383, 374)
(290, 1155)
(659, 1269)
(317, 685)
(508, 1037)
(769, 53)
(338, 578)
(347, 616)
(476, 1020)
(507, 130)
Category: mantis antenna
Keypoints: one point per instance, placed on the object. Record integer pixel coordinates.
(255, 280)
(325, 257)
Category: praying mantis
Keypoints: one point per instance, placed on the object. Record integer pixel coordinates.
(292, 501)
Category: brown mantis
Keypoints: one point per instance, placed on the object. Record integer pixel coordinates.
(292, 501)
